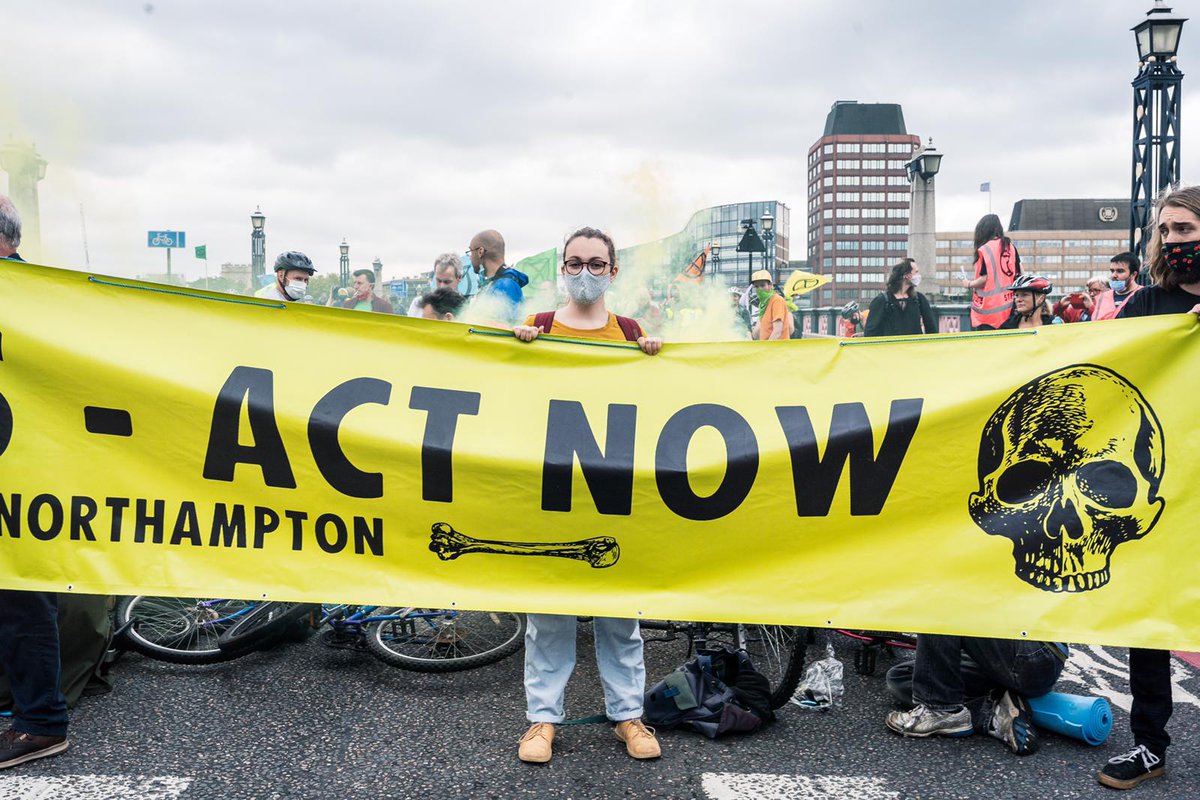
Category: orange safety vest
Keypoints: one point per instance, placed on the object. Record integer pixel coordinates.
(992, 303)
(1107, 305)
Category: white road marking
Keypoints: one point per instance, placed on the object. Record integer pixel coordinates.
(1097, 670)
(765, 786)
(93, 787)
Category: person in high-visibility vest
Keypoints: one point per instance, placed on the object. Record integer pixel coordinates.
(997, 265)
(1123, 274)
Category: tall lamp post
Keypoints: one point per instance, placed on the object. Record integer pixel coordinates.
(26, 168)
(344, 264)
(750, 243)
(1156, 110)
(258, 246)
(768, 235)
(922, 217)
(715, 250)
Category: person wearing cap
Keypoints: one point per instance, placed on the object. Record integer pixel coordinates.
(293, 270)
(774, 318)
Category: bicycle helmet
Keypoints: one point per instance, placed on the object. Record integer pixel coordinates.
(294, 259)
(849, 310)
(1031, 283)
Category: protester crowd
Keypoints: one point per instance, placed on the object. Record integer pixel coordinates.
(954, 686)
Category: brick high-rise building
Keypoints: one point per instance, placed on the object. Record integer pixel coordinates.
(858, 199)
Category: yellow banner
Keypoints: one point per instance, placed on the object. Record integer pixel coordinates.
(1015, 485)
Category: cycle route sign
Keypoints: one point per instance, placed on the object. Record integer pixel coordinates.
(166, 239)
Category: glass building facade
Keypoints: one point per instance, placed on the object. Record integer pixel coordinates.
(721, 225)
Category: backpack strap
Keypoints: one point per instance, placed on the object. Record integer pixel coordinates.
(544, 320)
(629, 327)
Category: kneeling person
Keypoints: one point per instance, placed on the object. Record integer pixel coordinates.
(589, 267)
(958, 685)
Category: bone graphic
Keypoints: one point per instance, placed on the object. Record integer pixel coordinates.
(449, 544)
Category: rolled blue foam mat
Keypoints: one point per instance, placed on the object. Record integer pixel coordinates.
(1086, 718)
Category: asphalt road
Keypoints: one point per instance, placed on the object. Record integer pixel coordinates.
(306, 721)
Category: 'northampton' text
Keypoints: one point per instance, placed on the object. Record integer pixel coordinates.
(140, 520)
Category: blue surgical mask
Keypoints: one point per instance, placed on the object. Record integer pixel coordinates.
(1116, 286)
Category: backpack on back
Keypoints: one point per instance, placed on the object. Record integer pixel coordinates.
(629, 327)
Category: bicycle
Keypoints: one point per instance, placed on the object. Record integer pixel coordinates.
(418, 639)
(777, 651)
(180, 630)
(189, 630)
(872, 643)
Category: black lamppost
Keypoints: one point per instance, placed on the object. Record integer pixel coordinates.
(925, 164)
(750, 243)
(715, 249)
(1156, 110)
(768, 232)
(344, 264)
(258, 246)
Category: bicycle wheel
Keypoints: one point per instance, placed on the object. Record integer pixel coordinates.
(778, 652)
(440, 640)
(181, 630)
(265, 625)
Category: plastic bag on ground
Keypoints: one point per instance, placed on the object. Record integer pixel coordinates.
(822, 687)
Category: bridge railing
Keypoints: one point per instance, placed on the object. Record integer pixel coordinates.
(821, 322)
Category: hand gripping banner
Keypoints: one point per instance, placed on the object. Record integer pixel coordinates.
(1010, 484)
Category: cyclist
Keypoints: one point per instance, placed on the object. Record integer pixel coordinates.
(293, 270)
(1029, 303)
(851, 319)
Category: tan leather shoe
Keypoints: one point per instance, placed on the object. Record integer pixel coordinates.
(536, 743)
(639, 740)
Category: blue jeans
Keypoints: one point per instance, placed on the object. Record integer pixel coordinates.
(29, 655)
(550, 659)
(951, 671)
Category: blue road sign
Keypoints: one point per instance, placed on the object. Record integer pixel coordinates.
(166, 239)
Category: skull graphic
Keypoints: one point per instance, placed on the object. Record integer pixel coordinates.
(1069, 468)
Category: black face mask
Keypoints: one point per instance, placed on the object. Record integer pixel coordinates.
(1183, 258)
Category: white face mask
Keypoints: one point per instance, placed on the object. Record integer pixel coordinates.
(295, 289)
(586, 288)
(915, 280)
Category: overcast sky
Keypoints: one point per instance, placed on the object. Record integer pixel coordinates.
(408, 126)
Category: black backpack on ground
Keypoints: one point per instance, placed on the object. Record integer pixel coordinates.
(716, 692)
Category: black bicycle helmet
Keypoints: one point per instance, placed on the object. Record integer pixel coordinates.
(849, 310)
(294, 259)
(1031, 283)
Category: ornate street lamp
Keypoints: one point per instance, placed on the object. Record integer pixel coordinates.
(922, 210)
(715, 249)
(925, 163)
(768, 232)
(1156, 114)
(344, 264)
(258, 246)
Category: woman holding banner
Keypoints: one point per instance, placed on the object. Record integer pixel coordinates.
(1174, 258)
(588, 270)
